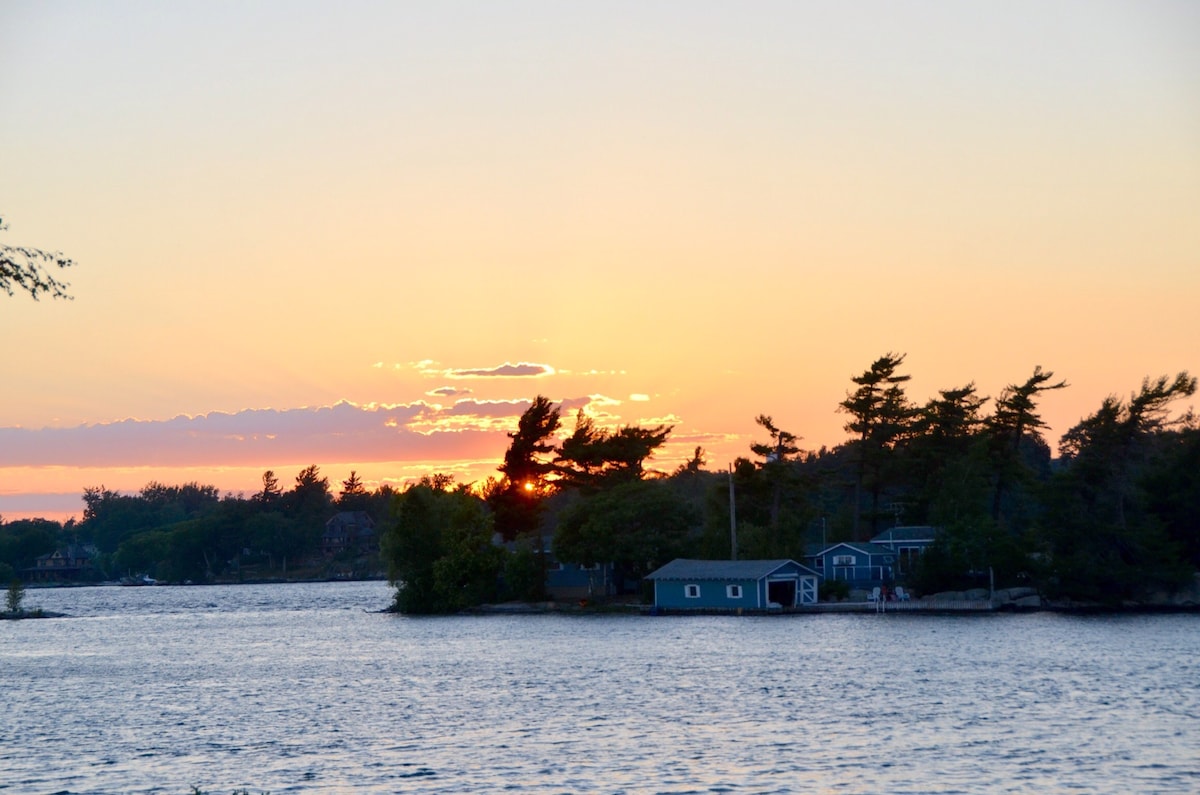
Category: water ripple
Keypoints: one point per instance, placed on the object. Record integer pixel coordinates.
(300, 689)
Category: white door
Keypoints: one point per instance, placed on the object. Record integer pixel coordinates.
(808, 591)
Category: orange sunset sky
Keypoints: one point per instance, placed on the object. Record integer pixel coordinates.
(363, 235)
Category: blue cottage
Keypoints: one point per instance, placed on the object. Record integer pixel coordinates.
(576, 581)
(686, 584)
(862, 565)
(908, 542)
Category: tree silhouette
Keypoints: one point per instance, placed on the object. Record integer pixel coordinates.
(1014, 418)
(516, 500)
(25, 269)
(775, 461)
(881, 416)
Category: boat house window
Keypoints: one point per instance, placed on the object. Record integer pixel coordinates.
(843, 560)
(733, 591)
(691, 591)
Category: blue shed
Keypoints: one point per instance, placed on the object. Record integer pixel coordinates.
(686, 584)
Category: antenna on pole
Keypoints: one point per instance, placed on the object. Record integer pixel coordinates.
(732, 518)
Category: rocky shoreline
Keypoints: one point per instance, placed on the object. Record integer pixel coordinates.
(1027, 599)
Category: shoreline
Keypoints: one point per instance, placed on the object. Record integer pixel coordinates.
(950, 603)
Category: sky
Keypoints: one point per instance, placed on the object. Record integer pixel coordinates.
(365, 235)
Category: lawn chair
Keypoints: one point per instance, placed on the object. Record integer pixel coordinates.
(902, 595)
(873, 596)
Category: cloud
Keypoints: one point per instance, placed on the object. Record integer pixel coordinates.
(342, 432)
(666, 419)
(467, 437)
(506, 370)
(639, 397)
(448, 391)
(50, 502)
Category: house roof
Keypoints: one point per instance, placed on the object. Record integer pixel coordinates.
(909, 533)
(685, 569)
(866, 547)
(360, 518)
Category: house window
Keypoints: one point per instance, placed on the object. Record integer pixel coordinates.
(691, 591)
(843, 560)
(733, 591)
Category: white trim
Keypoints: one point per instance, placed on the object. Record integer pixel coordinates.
(733, 591)
(691, 591)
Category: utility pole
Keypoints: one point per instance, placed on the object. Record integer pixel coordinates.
(732, 518)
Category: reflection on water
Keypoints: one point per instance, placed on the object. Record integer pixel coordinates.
(302, 688)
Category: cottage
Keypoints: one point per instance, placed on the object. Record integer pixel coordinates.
(65, 564)
(908, 543)
(861, 565)
(577, 581)
(733, 584)
(349, 531)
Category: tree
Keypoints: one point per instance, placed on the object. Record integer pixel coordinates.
(944, 463)
(524, 461)
(776, 455)
(637, 526)
(1014, 422)
(516, 501)
(1105, 541)
(593, 458)
(25, 269)
(307, 506)
(694, 465)
(23, 540)
(270, 490)
(881, 416)
(1172, 488)
(16, 594)
(437, 546)
(354, 496)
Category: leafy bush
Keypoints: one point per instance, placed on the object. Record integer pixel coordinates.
(833, 590)
(16, 593)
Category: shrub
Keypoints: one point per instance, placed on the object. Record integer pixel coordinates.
(16, 593)
(833, 590)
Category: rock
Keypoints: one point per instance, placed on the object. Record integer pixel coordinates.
(948, 596)
(976, 594)
(1030, 602)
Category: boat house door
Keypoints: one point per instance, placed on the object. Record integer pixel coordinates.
(782, 592)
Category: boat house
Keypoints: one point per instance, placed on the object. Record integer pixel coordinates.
(686, 584)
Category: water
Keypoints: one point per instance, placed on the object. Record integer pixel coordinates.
(301, 688)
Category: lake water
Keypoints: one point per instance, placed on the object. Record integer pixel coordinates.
(302, 688)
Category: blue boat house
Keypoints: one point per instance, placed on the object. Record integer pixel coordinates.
(685, 584)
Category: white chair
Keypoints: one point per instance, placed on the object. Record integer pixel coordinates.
(874, 595)
(902, 595)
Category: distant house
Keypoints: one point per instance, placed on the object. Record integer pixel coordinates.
(686, 584)
(352, 531)
(908, 543)
(861, 565)
(66, 564)
(575, 581)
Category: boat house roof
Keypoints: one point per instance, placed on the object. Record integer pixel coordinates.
(686, 569)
